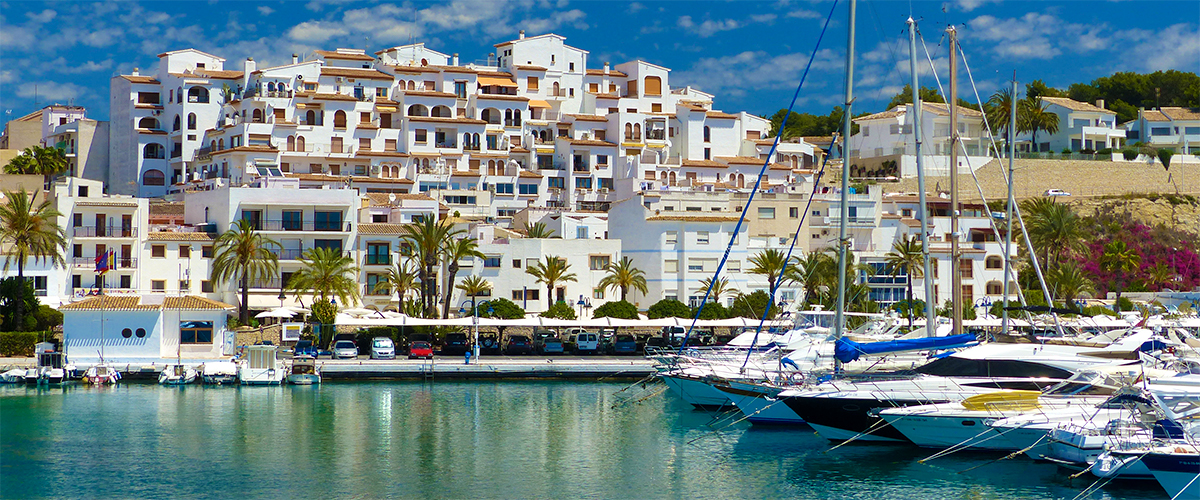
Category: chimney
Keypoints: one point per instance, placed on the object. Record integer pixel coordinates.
(295, 58)
(136, 72)
(606, 67)
(250, 66)
(1100, 103)
(454, 60)
(521, 35)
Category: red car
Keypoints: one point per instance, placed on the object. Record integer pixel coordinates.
(420, 349)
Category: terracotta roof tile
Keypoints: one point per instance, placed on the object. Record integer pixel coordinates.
(704, 163)
(220, 74)
(327, 97)
(141, 79)
(107, 203)
(719, 114)
(380, 228)
(194, 303)
(1171, 113)
(427, 93)
(611, 72)
(384, 199)
(168, 208)
(530, 67)
(439, 119)
(605, 96)
(588, 118)
(589, 142)
(109, 303)
(741, 160)
(1074, 105)
(367, 74)
(528, 174)
(501, 97)
(694, 218)
(380, 180)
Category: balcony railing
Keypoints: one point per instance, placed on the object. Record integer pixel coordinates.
(103, 232)
(299, 225)
(117, 263)
(580, 167)
(656, 135)
(294, 253)
(378, 260)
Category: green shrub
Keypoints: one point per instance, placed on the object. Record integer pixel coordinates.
(363, 337)
(1105, 151)
(1129, 154)
(619, 309)
(501, 308)
(712, 310)
(1164, 155)
(753, 305)
(560, 310)
(47, 318)
(1124, 304)
(18, 344)
(323, 312)
(667, 308)
(1087, 151)
(1066, 151)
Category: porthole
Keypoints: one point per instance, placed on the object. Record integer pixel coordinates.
(126, 333)
(141, 333)
(968, 423)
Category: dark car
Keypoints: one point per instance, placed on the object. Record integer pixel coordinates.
(489, 345)
(518, 344)
(420, 349)
(456, 343)
(623, 344)
(305, 348)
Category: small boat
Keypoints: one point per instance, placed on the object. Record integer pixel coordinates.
(14, 376)
(177, 374)
(261, 366)
(100, 374)
(50, 364)
(304, 371)
(219, 372)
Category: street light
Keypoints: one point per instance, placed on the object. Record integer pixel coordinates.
(475, 324)
(580, 304)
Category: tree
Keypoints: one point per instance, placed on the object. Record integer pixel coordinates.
(245, 255)
(770, 263)
(618, 309)
(456, 250)
(719, 288)
(502, 308)
(1164, 155)
(1120, 260)
(428, 239)
(712, 310)
(753, 305)
(398, 280)
(326, 272)
(999, 111)
(537, 230)
(552, 270)
(817, 271)
(46, 161)
(1068, 281)
(928, 94)
(560, 310)
(1033, 116)
(1159, 275)
(30, 231)
(1054, 229)
(908, 257)
(17, 294)
(623, 276)
(474, 286)
(668, 308)
(1038, 88)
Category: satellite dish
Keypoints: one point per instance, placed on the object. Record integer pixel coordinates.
(392, 197)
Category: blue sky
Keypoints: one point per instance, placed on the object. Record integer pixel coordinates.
(750, 53)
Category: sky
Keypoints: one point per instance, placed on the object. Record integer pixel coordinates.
(751, 54)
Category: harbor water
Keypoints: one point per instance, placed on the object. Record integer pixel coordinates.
(459, 439)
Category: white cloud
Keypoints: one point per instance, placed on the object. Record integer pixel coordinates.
(804, 14)
(742, 73)
(7, 76)
(264, 10)
(763, 18)
(635, 7)
(1037, 36)
(15, 37)
(315, 31)
(1174, 47)
(42, 17)
(970, 5)
(708, 27)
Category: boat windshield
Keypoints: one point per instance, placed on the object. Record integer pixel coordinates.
(952, 366)
(1084, 383)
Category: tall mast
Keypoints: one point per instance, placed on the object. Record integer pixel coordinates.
(923, 212)
(845, 206)
(1008, 214)
(955, 257)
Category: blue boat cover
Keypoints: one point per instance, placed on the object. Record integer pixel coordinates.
(847, 350)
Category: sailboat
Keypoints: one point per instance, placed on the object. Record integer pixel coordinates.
(178, 373)
(101, 373)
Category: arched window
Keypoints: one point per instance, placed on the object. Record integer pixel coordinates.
(994, 262)
(221, 144)
(653, 85)
(256, 116)
(508, 118)
(310, 117)
(176, 126)
(412, 85)
(418, 110)
(672, 177)
(212, 145)
(270, 86)
(516, 118)
(741, 181)
(707, 134)
(555, 89)
(300, 143)
(291, 143)
(629, 131)
(154, 177)
(154, 151)
(467, 140)
(475, 142)
(198, 94)
(148, 123)
(180, 94)
(191, 121)
(637, 132)
(442, 112)
(339, 119)
(396, 171)
(995, 288)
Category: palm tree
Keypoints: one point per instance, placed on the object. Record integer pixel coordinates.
(1054, 229)
(719, 288)
(245, 255)
(428, 239)
(908, 257)
(456, 250)
(474, 286)
(552, 270)
(623, 275)
(398, 280)
(38, 160)
(1068, 282)
(999, 111)
(770, 263)
(30, 231)
(818, 273)
(1159, 275)
(537, 230)
(1033, 116)
(1120, 260)
(326, 272)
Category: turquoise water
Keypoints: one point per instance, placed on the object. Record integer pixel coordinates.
(510, 439)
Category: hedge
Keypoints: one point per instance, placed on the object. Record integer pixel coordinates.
(18, 344)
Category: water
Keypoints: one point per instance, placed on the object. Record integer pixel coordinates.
(518, 439)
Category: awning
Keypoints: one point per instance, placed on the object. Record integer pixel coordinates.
(537, 103)
(385, 108)
(497, 81)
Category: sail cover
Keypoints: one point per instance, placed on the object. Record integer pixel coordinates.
(847, 350)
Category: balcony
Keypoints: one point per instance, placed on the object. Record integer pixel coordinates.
(117, 263)
(580, 167)
(294, 254)
(656, 135)
(446, 144)
(377, 260)
(297, 225)
(103, 232)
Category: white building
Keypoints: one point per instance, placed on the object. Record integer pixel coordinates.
(1170, 127)
(884, 146)
(1081, 126)
(146, 329)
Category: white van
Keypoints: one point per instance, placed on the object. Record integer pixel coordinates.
(583, 341)
(383, 348)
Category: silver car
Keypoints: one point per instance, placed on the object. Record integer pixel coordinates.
(383, 348)
(345, 349)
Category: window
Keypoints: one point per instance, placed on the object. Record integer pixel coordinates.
(656, 108)
(421, 136)
(994, 262)
(378, 254)
(196, 332)
(707, 134)
(707, 153)
(374, 286)
(557, 183)
(695, 265)
(583, 182)
(702, 237)
(966, 268)
(995, 288)
(293, 220)
(158, 285)
(599, 262)
(158, 250)
(733, 266)
(185, 286)
(527, 188)
(581, 232)
(185, 251)
(794, 212)
(39, 285)
(206, 286)
(597, 293)
(154, 177)
(672, 237)
(206, 251)
(531, 83)
(332, 244)
(493, 261)
(670, 266)
(126, 281)
(766, 212)
(327, 221)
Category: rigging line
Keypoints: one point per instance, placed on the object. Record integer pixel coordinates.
(758, 181)
(891, 48)
(787, 258)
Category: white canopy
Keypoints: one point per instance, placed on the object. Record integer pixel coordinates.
(278, 312)
(393, 319)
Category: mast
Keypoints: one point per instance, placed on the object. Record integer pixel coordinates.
(845, 207)
(923, 212)
(1012, 152)
(955, 256)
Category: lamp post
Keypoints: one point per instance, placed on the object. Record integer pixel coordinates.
(580, 304)
(475, 325)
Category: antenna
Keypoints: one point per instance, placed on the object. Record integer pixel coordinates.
(392, 197)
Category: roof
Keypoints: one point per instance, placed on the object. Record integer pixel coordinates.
(704, 163)
(428, 93)
(589, 142)
(348, 56)
(166, 208)
(393, 154)
(1171, 114)
(528, 174)
(501, 97)
(453, 69)
(177, 236)
(219, 74)
(936, 108)
(741, 160)
(380, 228)
(440, 119)
(611, 72)
(719, 114)
(247, 149)
(328, 97)
(530, 67)
(1074, 105)
(107, 203)
(605, 95)
(382, 199)
(588, 118)
(193, 303)
(133, 303)
(141, 79)
(693, 218)
(368, 74)
(380, 180)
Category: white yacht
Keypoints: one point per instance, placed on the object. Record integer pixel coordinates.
(219, 372)
(177, 374)
(304, 371)
(261, 366)
(101, 373)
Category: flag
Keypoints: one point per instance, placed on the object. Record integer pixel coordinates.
(103, 263)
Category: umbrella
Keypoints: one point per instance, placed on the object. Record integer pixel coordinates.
(280, 312)
(359, 311)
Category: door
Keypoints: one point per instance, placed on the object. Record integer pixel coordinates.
(126, 226)
(126, 256)
(100, 225)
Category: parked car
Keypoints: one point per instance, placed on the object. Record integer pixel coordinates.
(674, 335)
(456, 343)
(584, 342)
(383, 348)
(345, 349)
(547, 342)
(420, 349)
(518, 344)
(623, 344)
(305, 348)
(1056, 192)
(489, 345)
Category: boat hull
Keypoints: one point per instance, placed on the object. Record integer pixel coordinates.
(944, 432)
(761, 409)
(304, 379)
(1179, 474)
(695, 391)
(841, 418)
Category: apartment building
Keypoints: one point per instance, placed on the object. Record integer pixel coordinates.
(1081, 126)
(1169, 127)
(84, 141)
(885, 148)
